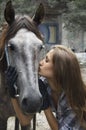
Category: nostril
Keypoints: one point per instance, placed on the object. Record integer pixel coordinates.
(24, 102)
(31, 105)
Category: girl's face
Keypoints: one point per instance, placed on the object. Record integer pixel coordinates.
(46, 66)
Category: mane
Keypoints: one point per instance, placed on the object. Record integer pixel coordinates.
(21, 21)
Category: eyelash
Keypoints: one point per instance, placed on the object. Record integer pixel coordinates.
(46, 59)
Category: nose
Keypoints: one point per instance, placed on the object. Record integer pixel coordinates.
(31, 104)
(41, 62)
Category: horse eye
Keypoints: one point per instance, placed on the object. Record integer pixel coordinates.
(11, 46)
(41, 47)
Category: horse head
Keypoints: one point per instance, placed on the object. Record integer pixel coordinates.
(24, 43)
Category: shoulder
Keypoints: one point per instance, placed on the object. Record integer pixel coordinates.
(63, 106)
(43, 84)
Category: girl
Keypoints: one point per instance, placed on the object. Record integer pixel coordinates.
(61, 69)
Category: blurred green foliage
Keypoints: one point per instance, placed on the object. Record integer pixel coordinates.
(21, 6)
(74, 15)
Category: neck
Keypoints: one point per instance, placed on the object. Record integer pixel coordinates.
(55, 91)
(56, 88)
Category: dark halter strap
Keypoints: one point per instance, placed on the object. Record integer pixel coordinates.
(7, 56)
(25, 128)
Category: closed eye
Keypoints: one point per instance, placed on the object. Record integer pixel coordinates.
(46, 59)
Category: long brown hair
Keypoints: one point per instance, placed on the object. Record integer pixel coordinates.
(68, 75)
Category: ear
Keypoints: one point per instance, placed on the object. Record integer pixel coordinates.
(39, 15)
(9, 13)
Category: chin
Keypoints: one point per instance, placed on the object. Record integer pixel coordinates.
(41, 74)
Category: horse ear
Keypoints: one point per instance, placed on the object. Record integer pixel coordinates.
(9, 13)
(39, 15)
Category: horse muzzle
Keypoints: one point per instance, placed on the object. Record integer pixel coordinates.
(30, 105)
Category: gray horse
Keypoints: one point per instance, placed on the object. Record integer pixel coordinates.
(23, 41)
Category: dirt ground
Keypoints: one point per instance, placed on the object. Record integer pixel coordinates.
(41, 122)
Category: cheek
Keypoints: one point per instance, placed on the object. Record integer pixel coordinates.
(47, 72)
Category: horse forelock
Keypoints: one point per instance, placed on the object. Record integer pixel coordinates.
(22, 21)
